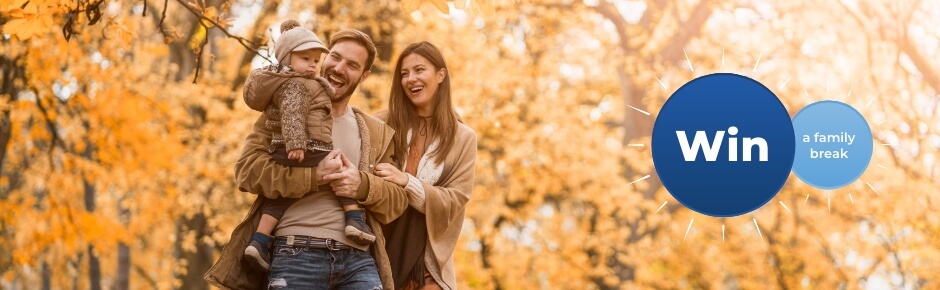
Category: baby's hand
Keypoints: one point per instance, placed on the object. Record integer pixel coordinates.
(296, 154)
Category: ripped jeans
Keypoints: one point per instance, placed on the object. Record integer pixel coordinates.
(309, 268)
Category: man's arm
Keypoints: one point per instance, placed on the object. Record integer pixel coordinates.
(257, 173)
(384, 199)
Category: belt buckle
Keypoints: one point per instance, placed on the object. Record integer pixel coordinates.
(331, 244)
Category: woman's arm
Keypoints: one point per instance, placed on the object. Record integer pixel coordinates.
(412, 184)
(446, 202)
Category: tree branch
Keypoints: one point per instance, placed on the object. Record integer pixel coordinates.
(247, 44)
(828, 253)
(890, 246)
(611, 12)
(903, 42)
(909, 48)
(50, 125)
(163, 17)
(203, 20)
(202, 48)
(688, 29)
(144, 273)
(269, 9)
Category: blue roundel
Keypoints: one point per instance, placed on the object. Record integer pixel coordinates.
(833, 146)
(723, 145)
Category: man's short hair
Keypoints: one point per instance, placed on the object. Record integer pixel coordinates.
(359, 37)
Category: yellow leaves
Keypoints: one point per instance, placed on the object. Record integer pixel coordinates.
(6, 5)
(119, 30)
(172, 34)
(211, 13)
(215, 16)
(226, 22)
(25, 25)
(485, 7)
(188, 242)
(441, 6)
(409, 6)
(196, 5)
(212, 16)
(29, 18)
(102, 231)
(195, 42)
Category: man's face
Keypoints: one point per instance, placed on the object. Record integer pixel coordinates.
(343, 68)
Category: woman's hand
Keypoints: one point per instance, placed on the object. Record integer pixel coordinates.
(391, 174)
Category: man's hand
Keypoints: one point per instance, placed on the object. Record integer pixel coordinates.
(346, 182)
(391, 173)
(329, 165)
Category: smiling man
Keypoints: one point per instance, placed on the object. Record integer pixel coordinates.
(311, 250)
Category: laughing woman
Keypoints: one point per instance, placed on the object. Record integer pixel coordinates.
(437, 152)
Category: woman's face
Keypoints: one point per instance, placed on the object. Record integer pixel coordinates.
(420, 79)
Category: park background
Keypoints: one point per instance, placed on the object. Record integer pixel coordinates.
(120, 124)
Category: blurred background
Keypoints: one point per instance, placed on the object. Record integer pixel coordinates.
(120, 124)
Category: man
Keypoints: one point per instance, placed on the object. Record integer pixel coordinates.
(310, 250)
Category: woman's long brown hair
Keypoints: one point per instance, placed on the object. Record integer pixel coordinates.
(403, 115)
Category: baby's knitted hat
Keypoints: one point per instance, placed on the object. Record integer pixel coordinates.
(295, 38)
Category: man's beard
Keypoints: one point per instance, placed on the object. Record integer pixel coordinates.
(349, 91)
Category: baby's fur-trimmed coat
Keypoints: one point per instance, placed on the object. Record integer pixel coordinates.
(296, 106)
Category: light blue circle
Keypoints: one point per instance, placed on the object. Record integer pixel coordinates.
(824, 156)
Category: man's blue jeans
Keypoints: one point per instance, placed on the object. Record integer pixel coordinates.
(306, 268)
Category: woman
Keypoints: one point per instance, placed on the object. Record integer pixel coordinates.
(437, 153)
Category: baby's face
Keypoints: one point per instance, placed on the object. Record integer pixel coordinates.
(305, 61)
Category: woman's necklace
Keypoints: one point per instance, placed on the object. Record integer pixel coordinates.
(419, 145)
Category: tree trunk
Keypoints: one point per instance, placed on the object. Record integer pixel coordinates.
(46, 277)
(122, 282)
(94, 266)
(635, 123)
(10, 70)
(94, 270)
(124, 268)
(6, 128)
(180, 52)
(198, 262)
